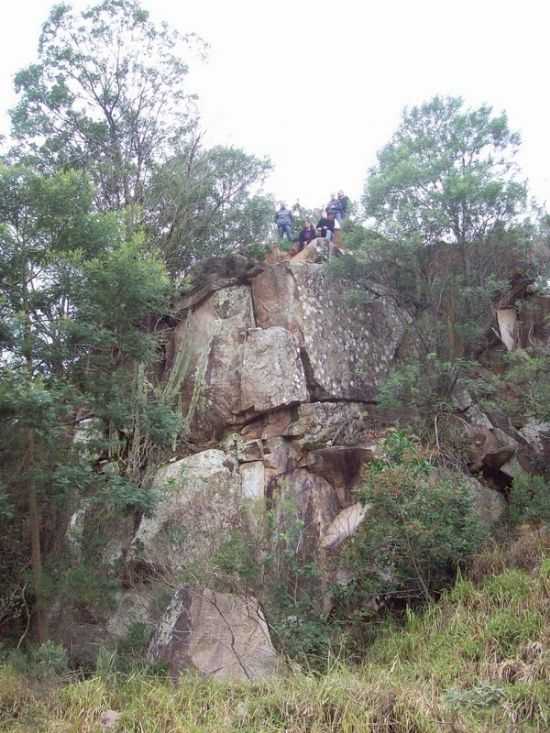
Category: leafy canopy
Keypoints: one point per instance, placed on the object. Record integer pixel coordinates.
(447, 175)
(108, 94)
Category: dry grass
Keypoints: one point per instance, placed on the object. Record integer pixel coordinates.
(477, 662)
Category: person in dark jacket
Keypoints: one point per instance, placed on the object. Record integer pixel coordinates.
(333, 206)
(325, 225)
(343, 202)
(284, 220)
(306, 235)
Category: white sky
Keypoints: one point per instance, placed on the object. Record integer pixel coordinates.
(319, 86)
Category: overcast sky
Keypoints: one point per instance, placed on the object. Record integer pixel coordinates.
(319, 86)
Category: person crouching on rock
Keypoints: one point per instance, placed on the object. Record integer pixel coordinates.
(325, 226)
(306, 235)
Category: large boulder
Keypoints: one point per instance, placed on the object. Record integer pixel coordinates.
(219, 635)
(272, 374)
(205, 363)
(347, 349)
(322, 424)
(201, 500)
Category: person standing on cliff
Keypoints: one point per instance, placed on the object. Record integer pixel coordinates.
(283, 219)
(343, 206)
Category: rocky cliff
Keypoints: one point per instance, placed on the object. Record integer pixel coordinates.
(276, 374)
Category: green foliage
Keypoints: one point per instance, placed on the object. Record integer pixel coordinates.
(448, 174)
(47, 659)
(529, 375)
(507, 629)
(108, 94)
(422, 525)
(425, 384)
(529, 499)
(87, 587)
(237, 557)
(201, 203)
(75, 295)
(472, 662)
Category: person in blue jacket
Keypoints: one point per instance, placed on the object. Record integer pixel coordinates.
(284, 220)
(343, 202)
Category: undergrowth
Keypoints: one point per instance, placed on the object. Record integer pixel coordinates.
(478, 661)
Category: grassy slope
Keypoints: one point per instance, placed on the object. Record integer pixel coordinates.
(477, 661)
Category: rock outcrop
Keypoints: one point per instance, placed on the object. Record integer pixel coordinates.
(287, 339)
(276, 375)
(220, 635)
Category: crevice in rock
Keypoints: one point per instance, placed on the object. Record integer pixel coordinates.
(497, 479)
(316, 392)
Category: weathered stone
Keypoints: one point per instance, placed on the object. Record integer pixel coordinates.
(201, 501)
(344, 525)
(253, 479)
(490, 505)
(276, 300)
(507, 319)
(252, 450)
(206, 363)
(213, 274)
(310, 498)
(341, 466)
(272, 374)
(322, 424)
(490, 448)
(537, 435)
(281, 454)
(347, 349)
(142, 604)
(217, 634)
(269, 425)
(476, 417)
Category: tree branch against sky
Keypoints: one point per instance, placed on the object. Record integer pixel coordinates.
(447, 175)
(108, 94)
(270, 85)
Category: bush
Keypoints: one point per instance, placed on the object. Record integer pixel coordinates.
(529, 500)
(422, 525)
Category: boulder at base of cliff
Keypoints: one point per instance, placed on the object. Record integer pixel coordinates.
(219, 635)
(201, 501)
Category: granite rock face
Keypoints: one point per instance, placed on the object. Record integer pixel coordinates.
(200, 501)
(219, 635)
(276, 375)
(347, 350)
(287, 338)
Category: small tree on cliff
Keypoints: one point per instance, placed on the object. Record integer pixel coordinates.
(446, 197)
(447, 175)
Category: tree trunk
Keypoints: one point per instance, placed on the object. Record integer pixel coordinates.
(36, 550)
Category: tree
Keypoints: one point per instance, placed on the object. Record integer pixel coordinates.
(448, 179)
(202, 203)
(108, 95)
(447, 175)
(66, 352)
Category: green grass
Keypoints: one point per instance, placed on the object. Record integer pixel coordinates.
(478, 661)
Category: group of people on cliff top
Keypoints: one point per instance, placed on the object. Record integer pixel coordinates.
(331, 219)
